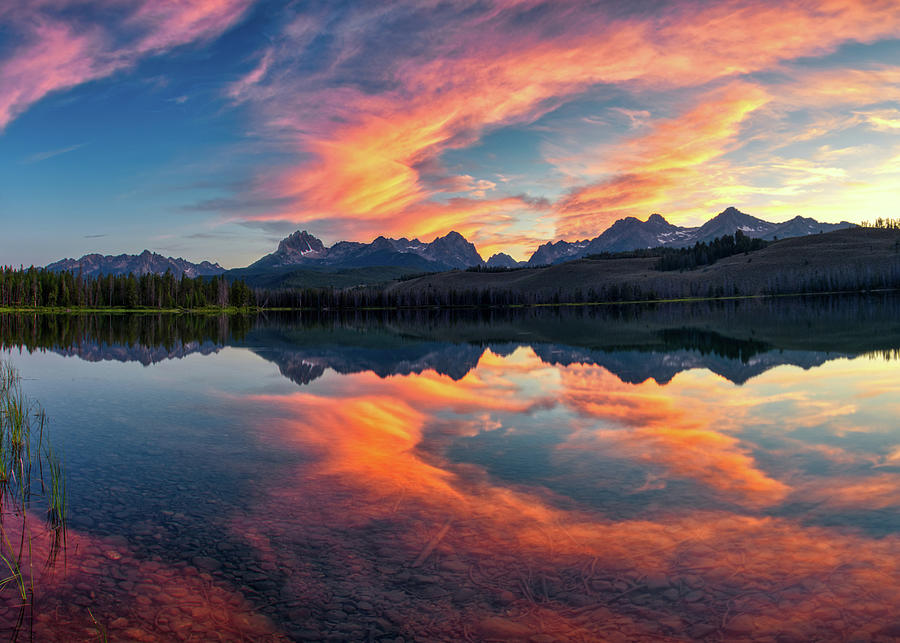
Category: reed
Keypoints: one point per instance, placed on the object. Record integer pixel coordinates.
(102, 634)
(14, 565)
(56, 496)
(23, 444)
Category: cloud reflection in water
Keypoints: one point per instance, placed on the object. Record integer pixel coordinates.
(467, 508)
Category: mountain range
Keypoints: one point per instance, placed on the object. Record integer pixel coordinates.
(303, 251)
(632, 234)
(147, 262)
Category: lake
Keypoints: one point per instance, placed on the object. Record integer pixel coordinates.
(717, 471)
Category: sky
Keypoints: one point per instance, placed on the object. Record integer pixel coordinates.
(210, 129)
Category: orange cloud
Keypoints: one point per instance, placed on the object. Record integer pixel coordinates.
(366, 147)
(657, 168)
(835, 88)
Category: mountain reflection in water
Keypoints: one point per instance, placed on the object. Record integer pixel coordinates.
(616, 474)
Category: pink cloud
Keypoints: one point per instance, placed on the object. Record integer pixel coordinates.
(59, 53)
(55, 58)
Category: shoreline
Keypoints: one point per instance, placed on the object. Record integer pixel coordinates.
(231, 310)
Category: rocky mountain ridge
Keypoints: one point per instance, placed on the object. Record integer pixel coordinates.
(631, 233)
(302, 250)
(95, 265)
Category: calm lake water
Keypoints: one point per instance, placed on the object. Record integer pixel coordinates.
(713, 472)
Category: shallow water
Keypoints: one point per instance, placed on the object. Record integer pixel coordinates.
(669, 473)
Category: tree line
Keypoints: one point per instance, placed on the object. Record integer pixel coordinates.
(40, 288)
(707, 253)
(882, 223)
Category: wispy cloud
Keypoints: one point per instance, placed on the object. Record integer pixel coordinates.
(646, 172)
(57, 51)
(43, 156)
(368, 122)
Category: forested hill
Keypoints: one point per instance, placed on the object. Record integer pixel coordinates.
(853, 259)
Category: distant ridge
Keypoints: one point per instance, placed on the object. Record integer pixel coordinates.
(502, 260)
(632, 234)
(95, 265)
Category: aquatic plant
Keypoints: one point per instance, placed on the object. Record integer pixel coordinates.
(56, 497)
(22, 445)
(102, 634)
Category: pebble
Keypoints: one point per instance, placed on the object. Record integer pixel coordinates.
(454, 566)
(506, 597)
(827, 614)
(464, 595)
(421, 578)
(137, 634)
(205, 563)
(579, 600)
(740, 625)
(701, 630)
(657, 582)
(497, 627)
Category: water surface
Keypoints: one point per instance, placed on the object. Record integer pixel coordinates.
(713, 472)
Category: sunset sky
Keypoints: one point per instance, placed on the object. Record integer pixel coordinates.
(209, 129)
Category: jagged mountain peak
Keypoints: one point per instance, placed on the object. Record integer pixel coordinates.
(729, 220)
(454, 250)
(732, 212)
(302, 249)
(301, 241)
